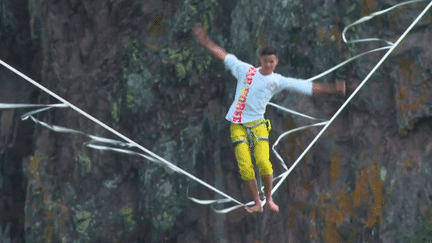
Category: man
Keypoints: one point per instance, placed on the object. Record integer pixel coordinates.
(249, 129)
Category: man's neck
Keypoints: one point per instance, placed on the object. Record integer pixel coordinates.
(264, 73)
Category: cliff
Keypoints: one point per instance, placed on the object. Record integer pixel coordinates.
(135, 66)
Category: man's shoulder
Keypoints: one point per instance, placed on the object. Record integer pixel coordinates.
(278, 77)
(233, 63)
(234, 58)
(231, 57)
(282, 77)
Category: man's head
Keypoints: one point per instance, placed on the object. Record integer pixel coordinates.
(269, 60)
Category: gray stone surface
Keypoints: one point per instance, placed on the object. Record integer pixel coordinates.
(135, 66)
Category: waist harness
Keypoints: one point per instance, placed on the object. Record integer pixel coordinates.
(251, 137)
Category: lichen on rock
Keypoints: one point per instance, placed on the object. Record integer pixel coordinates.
(139, 93)
(82, 221)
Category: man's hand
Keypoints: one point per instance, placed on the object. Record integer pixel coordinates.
(338, 88)
(200, 33)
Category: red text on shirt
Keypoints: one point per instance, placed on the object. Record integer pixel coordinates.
(240, 105)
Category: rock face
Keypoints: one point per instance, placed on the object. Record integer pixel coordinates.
(135, 66)
(16, 137)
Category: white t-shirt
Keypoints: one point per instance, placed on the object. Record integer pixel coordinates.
(255, 90)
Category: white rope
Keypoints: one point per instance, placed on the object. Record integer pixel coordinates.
(364, 19)
(352, 95)
(345, 62)
(162, 160)
(157, 159)
(292, 112)
(16, 106)
(369, 17)
(289, 132)
(326, 124)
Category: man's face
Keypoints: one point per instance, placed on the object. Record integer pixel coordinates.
(268, 63)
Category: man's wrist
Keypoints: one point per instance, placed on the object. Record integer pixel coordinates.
(203, 40)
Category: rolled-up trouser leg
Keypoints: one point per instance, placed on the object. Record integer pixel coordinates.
(262, 150)
(242, 151)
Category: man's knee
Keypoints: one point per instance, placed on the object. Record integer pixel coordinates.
(264, 165)
(247, 174)
(262, 157)
(266, 168)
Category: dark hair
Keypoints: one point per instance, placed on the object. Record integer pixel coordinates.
(269, 50)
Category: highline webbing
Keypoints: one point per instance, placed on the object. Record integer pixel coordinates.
(157, 159)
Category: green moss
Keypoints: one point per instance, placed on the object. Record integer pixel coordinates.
(127, 213)
(139, 94)
(425, 234)
(132, 57)
(136, 94)
(164, 222)
(85, 160)
(115, 112)
(82, 221)
(183, 60)
(182, 96)
(180, 71)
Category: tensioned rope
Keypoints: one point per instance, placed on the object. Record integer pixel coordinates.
(130, 141)
(326, 124)
(157, 159)
(353, 94)
(363, 19)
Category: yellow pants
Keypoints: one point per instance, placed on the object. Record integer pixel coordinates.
(257, 142)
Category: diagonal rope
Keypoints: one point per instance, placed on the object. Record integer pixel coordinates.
(352, 95)
(162, 160)
(289, 132)
(155, 158)
(326, 124)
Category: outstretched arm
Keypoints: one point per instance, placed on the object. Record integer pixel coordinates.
(302, 86)
(202, 38)
(338, 88)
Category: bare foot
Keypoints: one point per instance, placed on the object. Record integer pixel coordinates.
(273, 206)
(257, 208)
